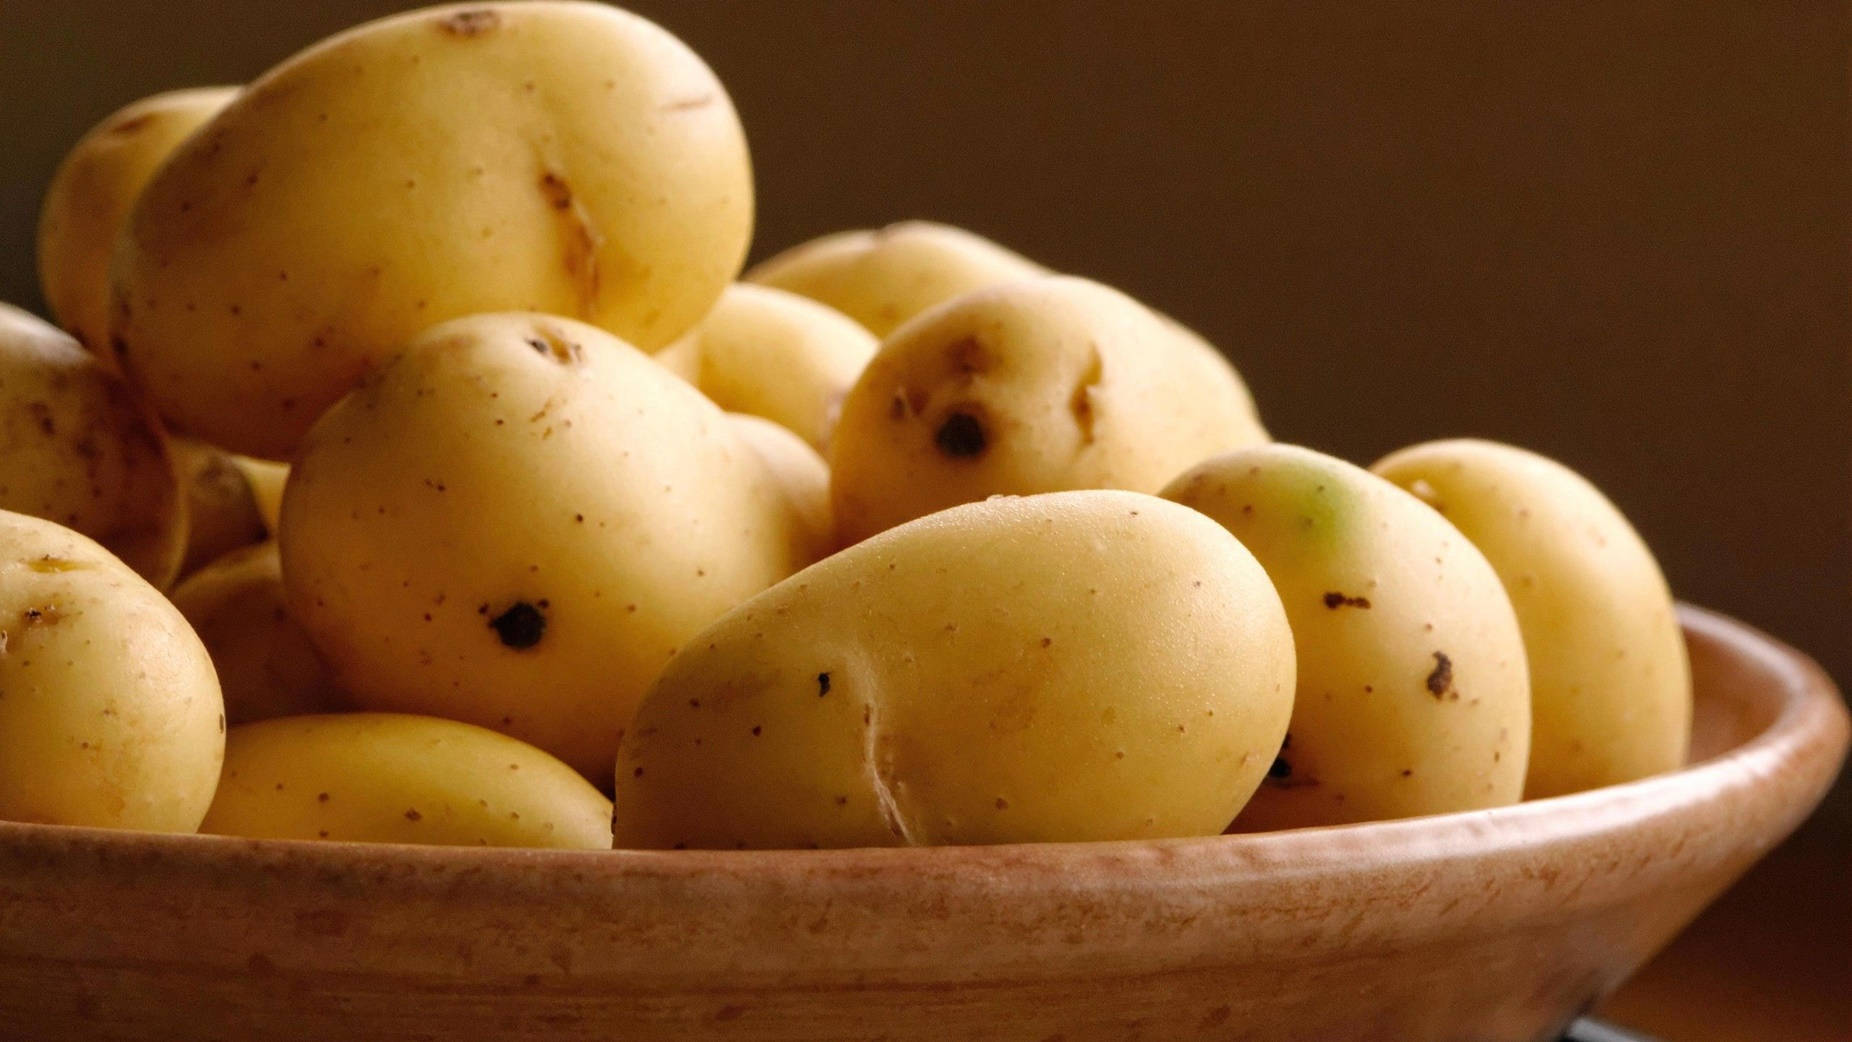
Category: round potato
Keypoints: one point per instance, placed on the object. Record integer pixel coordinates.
(222, 508)
(802, 478)
(91, 194)
(266, 664)
(1610, 682)
(552, 156)
(517, 522)
(1074, 666)
(76, 448)
(109, 711)
(1042, 385)
(774, 354)
(883, 277)
(391, 778)
(1412, 693)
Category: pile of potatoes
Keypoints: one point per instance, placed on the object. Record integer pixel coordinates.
(585, 538)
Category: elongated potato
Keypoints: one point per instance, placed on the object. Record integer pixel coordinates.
(517, 522)
(91, 194)
(803, 479)
(76, 448)
(883, 277)
(1413, 696)
(391, 778)
(1610, 682)
(1073, 666)
(223, 513)
(552, 156)
(109, 710)
(1042, 385)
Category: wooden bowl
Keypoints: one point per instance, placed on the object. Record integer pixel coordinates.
(1490, 926)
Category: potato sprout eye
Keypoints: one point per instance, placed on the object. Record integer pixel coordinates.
(961, 436)
(520, 627)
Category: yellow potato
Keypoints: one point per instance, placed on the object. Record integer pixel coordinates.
(1074, 666)
(1610, 683)
(109, 711)
(802, 477)
(883, 277)
(1412, 693)
(266, 664)
(391, 778)
(222, 509)
(774, 354)
(266, 478)
(76, 448)
(1036, 386)
(89, 199)
(517, 522)
(552, 156)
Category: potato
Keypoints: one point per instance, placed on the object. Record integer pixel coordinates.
(222, 509)
(1036, 386)
(266, 478)
(109, 712)
(391, 778)
(517, 522)
(89, 199)
(551, 156)
(883, 277)
(774, 354)
(266, 664)
(76, 448)
(1412, 691)
(1610, 683)
(802, 478)
(1073, 666)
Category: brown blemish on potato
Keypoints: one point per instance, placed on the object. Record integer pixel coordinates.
(411, 814)
(471, 23)
(550, 342)
(133, 123)
(689, 104)
(1441, 679)
(579, 238)
(961, 434)
(1335, 600)
(521, 626)
(52, 565)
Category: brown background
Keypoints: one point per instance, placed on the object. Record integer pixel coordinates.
(1616, 233)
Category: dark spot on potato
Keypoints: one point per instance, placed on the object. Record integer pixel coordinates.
(411, 814)
(1442, 677)
(1002, 804)
(823, 684)
(756, 730)
(321, 797)
(521, 626)
(638, 773)
(961, 436)
(1335, 600)
(471, 23)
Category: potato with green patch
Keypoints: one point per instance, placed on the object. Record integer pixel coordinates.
(1075, 666)
(774, 354)
(1413, 695)
(517, 522)
(109, 711)
(1043, 385)
(392, 778)
(885, 276)
(1610, 682)
(553, 156)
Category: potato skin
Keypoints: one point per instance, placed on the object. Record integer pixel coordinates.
(1043, 385)
(883, 277)
(517, 522)
(553, 156)
(78, 449)
(803, 480)
(91, 194)
(1073, 666)
(392, 778)
(109, 711)
(1413, 696)
(774, 354)
(223, 513)
(1610, 681)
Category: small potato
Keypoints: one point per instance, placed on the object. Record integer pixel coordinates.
(1412, 695)
(774, 354)
(109, 711)
(266, 478)
(390, 778)
(882, 278)
(90, 197)
(1042, 385)
(517, 522)
(76, 448)
(1074, 666)
(1610, 683)
(554, 156)
(266, 664)
(801, 476)
(222, 509)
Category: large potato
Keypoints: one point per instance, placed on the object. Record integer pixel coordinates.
(1035, 386)
(76, 448)
(1074, 666)
(1412, 692)
(223, 512)
(266, 664)
(517, 522)
(552, 156)
(883, 277)
(109, 710)
(390, 778)
(774, 354)
(1610, 683)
